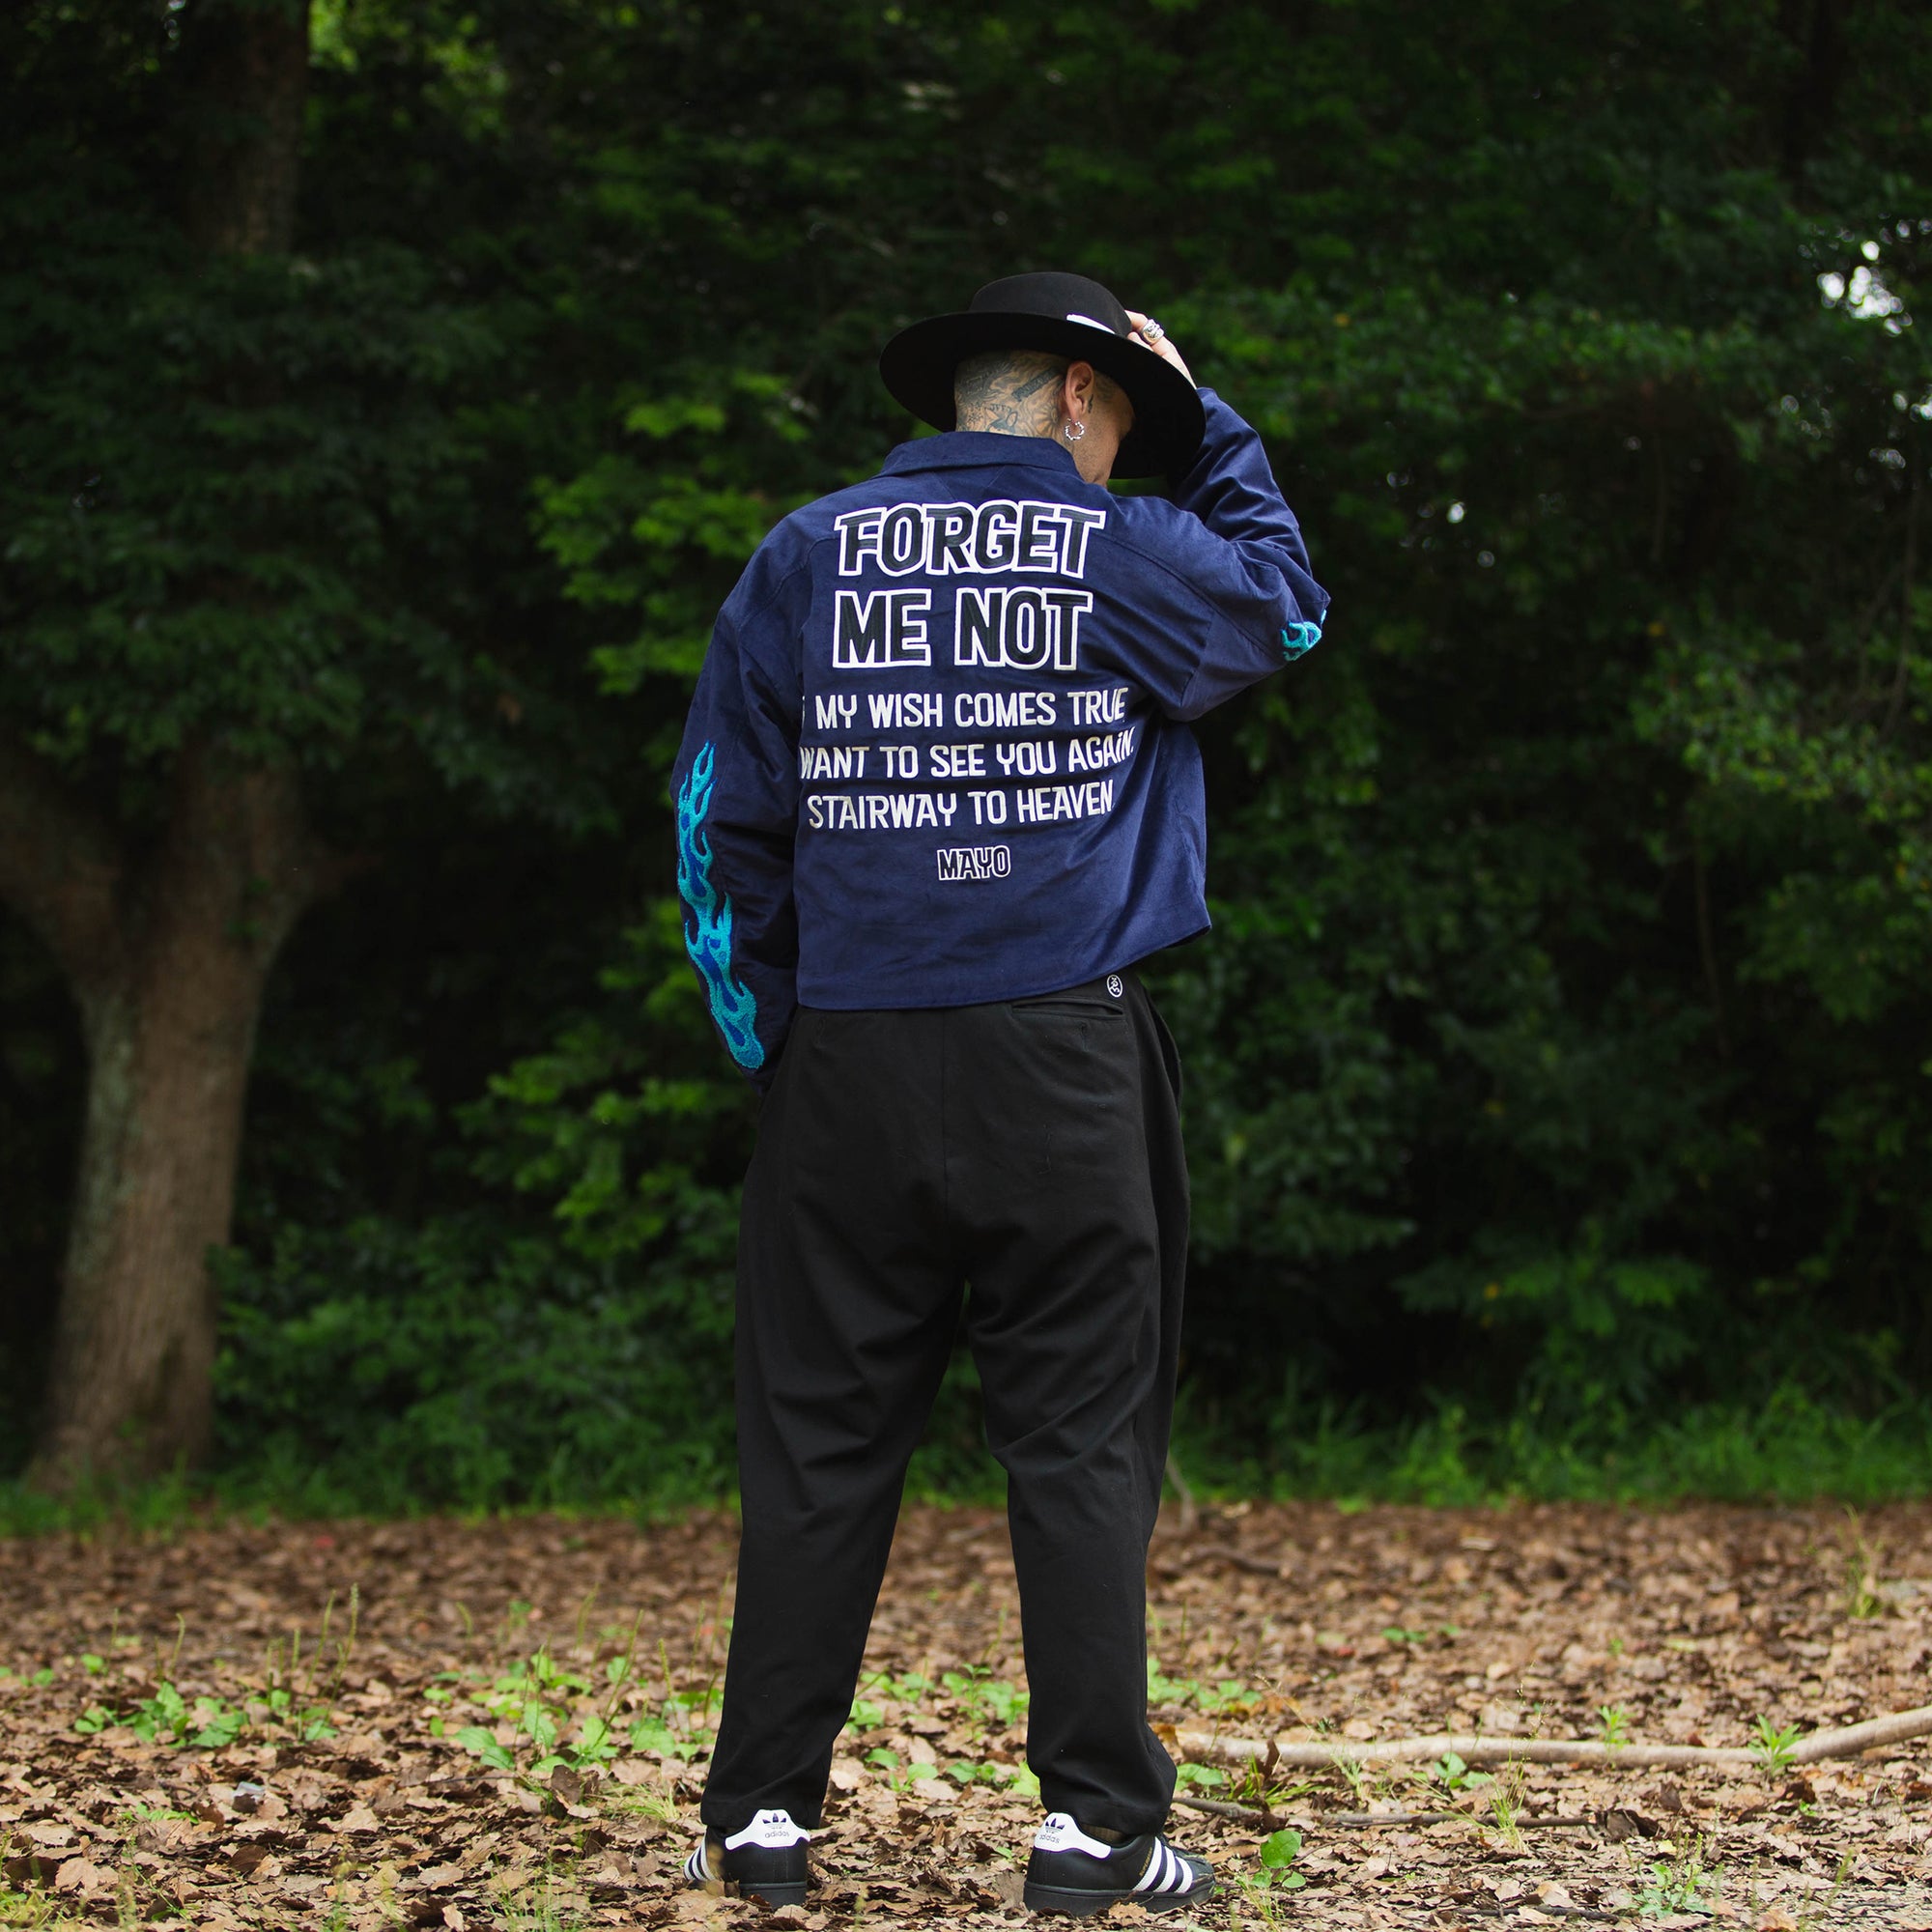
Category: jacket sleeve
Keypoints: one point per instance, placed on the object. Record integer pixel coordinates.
(1230, 594)
(735, 787)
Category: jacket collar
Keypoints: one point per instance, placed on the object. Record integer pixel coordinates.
(978, 449)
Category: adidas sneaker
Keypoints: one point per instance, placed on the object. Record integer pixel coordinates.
(766, 1859)
(1072, 1873)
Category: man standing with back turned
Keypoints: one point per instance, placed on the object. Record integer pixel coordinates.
(937, 796)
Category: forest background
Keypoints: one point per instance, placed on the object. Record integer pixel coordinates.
(392, 389)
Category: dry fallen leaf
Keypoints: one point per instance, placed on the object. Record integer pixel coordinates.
(82, 1875)
(1390, 1622)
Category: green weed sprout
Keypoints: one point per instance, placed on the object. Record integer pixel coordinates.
(908, 1688)
(479, 1742)
(1772, 1748)
(984, 1698)
(648, 1734)
(1262, 1888)
(1680, 1886)
(535, 1910)
(1451, 1772)
(1862, 1557)
(1174, 1691)
(1278, 1854)
(1254, 1785)
(168, 1718)
(1506, 1803)
(593, 1746)
(900, 1777)
(1014, 1776)
(1228, 1696)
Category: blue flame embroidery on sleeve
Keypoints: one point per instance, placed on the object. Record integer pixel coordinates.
(707, 932)
(1301, 638)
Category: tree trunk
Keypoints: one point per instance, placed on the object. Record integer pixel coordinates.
(248, 79)
(167, 957)
(1818, 29)
(168, 967)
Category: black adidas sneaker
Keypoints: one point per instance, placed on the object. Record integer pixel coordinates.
(1070, 1872)
(766, 1859)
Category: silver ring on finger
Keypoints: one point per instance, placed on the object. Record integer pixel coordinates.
(1151, 330)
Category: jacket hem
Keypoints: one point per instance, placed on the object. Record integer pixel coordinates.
(1023, 986)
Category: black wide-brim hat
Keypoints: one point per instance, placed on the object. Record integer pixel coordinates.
(1062, 315)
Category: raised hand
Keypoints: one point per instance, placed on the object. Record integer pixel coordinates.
(1150, 334)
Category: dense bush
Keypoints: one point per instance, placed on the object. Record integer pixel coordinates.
(1558, 1066)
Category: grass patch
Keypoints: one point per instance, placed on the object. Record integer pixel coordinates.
(1787, 1448)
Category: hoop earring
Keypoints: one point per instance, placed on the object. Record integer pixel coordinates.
(1072, 431)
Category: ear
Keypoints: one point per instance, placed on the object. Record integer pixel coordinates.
(1076, 390)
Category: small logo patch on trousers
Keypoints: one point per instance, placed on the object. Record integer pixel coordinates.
(975, 861)
(1115, 984)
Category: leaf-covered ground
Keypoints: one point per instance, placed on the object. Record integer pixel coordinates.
(503, 1723)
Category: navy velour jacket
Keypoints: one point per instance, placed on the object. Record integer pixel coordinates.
(938, 751)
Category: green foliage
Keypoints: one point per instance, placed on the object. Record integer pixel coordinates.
(583, 1352)
(207, 1723)
(556, 1710)
(983, 1701)
(1558, 1097)
(985, 1771)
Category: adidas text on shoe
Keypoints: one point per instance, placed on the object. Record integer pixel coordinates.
(766, 1860)
(1072, 1873)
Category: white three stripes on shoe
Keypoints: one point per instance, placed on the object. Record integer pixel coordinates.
(696, 1867)
(1153, 1874)
(1165, 1872)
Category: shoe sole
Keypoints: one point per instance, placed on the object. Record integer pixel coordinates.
(773, 1894)
(1088, 1904)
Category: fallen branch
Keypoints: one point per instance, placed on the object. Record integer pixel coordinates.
(1302, 1754)
(1522, 1821)
(1239, 1559)
(1220, 1808)
(1248, 1814)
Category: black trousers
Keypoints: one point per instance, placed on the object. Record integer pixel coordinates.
(1032, 1149)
